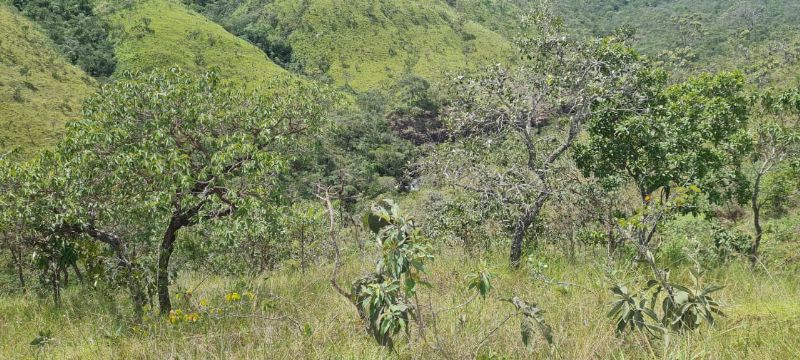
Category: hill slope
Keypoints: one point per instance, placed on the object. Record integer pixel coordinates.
(165, 33)
(760, 37)
(365, 43)
(39, 89)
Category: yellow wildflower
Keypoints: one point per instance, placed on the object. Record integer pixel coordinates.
(174, 316)
(193, 317)
(234, 296)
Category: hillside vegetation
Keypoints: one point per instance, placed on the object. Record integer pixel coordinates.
(400, 179)
(164, 33)
(39, 89)
(365, 43)
(760, 37)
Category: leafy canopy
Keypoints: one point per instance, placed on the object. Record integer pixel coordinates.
(692, 133)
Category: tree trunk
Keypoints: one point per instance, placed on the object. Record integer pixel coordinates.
(524, 222)
(756, 222)
(302, 251)
(55, 282)
(519, 236)
(162, 280)
(121, 250)
(66, 275)
(77, 271)
(17, 257)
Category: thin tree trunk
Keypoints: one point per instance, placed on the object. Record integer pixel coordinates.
(302, 251)
(162, 279)
(55, 282)
(121, 250)
(756, 222)
(17, 257)
(65, 271)
(77, 271)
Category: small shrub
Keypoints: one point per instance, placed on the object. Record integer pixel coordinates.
(685, 308)
(731, 242)
(17, 96)
(383, 298)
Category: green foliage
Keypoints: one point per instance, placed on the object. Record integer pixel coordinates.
(758, 37)
(689, 307)
(383, 298)
(631, 311)
(512, 126)
(532, 321)
(690, 133)
(730, 242)
(42, 339)
(160, 34)
(77, 31)
(481, 280)
(683, 308)
(157, 153)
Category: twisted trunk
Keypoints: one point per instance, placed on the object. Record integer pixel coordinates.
(167, 246)
(521, 228)
(121, 251)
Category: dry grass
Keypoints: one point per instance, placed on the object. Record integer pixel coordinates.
(299, 316)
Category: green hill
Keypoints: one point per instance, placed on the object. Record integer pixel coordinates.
(760, 37)
(365, 43)
(164, 33)
(39, 89)
(501, 16)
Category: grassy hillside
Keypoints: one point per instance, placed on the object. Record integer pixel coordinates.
(164, 33)
(39, 89)
(368, 42)
(501, 16)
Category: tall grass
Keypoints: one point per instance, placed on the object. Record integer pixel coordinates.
(299, 316)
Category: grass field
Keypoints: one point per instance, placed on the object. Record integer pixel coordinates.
(298, 315)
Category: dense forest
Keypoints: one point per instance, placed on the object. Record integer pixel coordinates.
(456, 179)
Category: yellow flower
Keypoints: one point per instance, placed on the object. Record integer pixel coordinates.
(234, 296)
(193, 317)
(203, 303)
(174, 316)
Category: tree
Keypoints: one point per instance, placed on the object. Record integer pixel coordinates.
(678, 141)
(512, 126)
(776, 141)
(161, 152)
(10, 232)
(81, 35)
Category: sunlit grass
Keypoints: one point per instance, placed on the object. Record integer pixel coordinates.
(296, 315)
